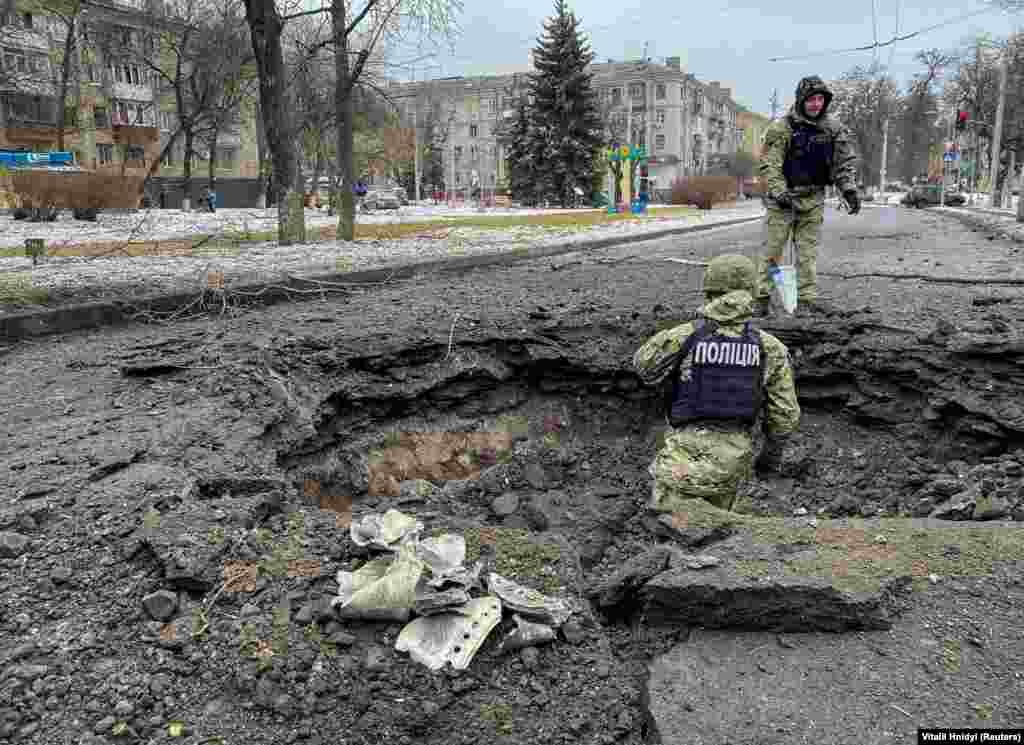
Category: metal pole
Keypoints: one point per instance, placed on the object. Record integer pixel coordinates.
(629, 141)
(942, 186)
(997, 134)
(1004, 192)
(416, 152)
(885, 153)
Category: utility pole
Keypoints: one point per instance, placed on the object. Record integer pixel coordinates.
(949, 135)
(774, 100)
(885, 152)
(629, 138)
(997, 134)
(416, 149)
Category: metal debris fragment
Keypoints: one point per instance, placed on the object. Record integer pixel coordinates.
(453, 637)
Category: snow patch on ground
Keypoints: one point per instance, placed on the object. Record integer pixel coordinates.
(148, 275)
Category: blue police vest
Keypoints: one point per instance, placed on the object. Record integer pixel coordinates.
(809, 157)
(725, 377)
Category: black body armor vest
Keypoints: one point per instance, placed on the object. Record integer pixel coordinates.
(725, 377)
(809, 157)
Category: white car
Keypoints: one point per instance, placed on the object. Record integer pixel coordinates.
(381, 200)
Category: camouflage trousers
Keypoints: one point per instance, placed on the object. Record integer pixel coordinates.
(700, 463)
(806, 232)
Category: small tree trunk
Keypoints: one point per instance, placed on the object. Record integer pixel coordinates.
(65, 74)
(186, 172)
(261, 157)
(318, 167)
(212, 173)
(346, 111)
(266, 26)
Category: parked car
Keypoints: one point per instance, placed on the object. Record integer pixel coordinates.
(381, 200)
(925, 195)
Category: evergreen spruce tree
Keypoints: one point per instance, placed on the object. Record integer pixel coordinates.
(567, 131)
(519, 157)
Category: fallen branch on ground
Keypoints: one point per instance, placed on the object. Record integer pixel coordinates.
(927, 278)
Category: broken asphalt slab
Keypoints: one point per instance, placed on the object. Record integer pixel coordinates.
(797, 574)
(82, 316)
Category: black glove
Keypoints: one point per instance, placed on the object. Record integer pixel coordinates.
(784, 200)
(853, 199)
(770, 459)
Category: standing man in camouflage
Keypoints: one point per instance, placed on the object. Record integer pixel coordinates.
(803, 152)
(728, 381)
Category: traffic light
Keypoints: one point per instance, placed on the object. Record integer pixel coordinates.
(961, 121)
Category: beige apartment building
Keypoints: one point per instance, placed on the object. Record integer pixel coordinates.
(682, 121)
(116, 114)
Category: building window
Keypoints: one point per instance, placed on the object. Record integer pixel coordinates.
(226, 157)
(15, 60)
(99, 115)
(636, 90)
(473, 130)
(458, 151)
(105, 153)
(492, 105)
(659, 116)
(135, 154)
(659, 91)
(659, 142)
(616, 95)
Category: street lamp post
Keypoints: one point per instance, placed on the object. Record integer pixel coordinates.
(998, 131)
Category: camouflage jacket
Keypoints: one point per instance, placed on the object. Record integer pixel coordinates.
(776, 145)
(654, 360)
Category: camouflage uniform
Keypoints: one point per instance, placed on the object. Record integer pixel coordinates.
(808, 201)
(709, 459)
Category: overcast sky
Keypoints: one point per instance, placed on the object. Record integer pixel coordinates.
(730, 41)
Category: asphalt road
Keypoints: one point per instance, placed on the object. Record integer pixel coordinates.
(71, 417)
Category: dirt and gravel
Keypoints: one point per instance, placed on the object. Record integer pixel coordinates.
(177, 501)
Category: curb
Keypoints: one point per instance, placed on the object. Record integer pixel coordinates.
(983, 221)
(81, 316)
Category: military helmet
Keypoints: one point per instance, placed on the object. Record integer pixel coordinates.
(729, 272)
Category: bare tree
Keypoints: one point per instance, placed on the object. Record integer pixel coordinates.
(919, 113)
(65, 73)
(357, 30)
(228, 86)
(863, 96)
(266, 26)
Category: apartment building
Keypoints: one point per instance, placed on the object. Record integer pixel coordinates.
(116, 114)
(753, 127)
(681, 120)
(469, 114)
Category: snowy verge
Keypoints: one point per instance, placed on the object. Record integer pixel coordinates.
(64, 277)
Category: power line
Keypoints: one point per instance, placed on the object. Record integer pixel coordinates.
(892, 49)
(893, 40)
